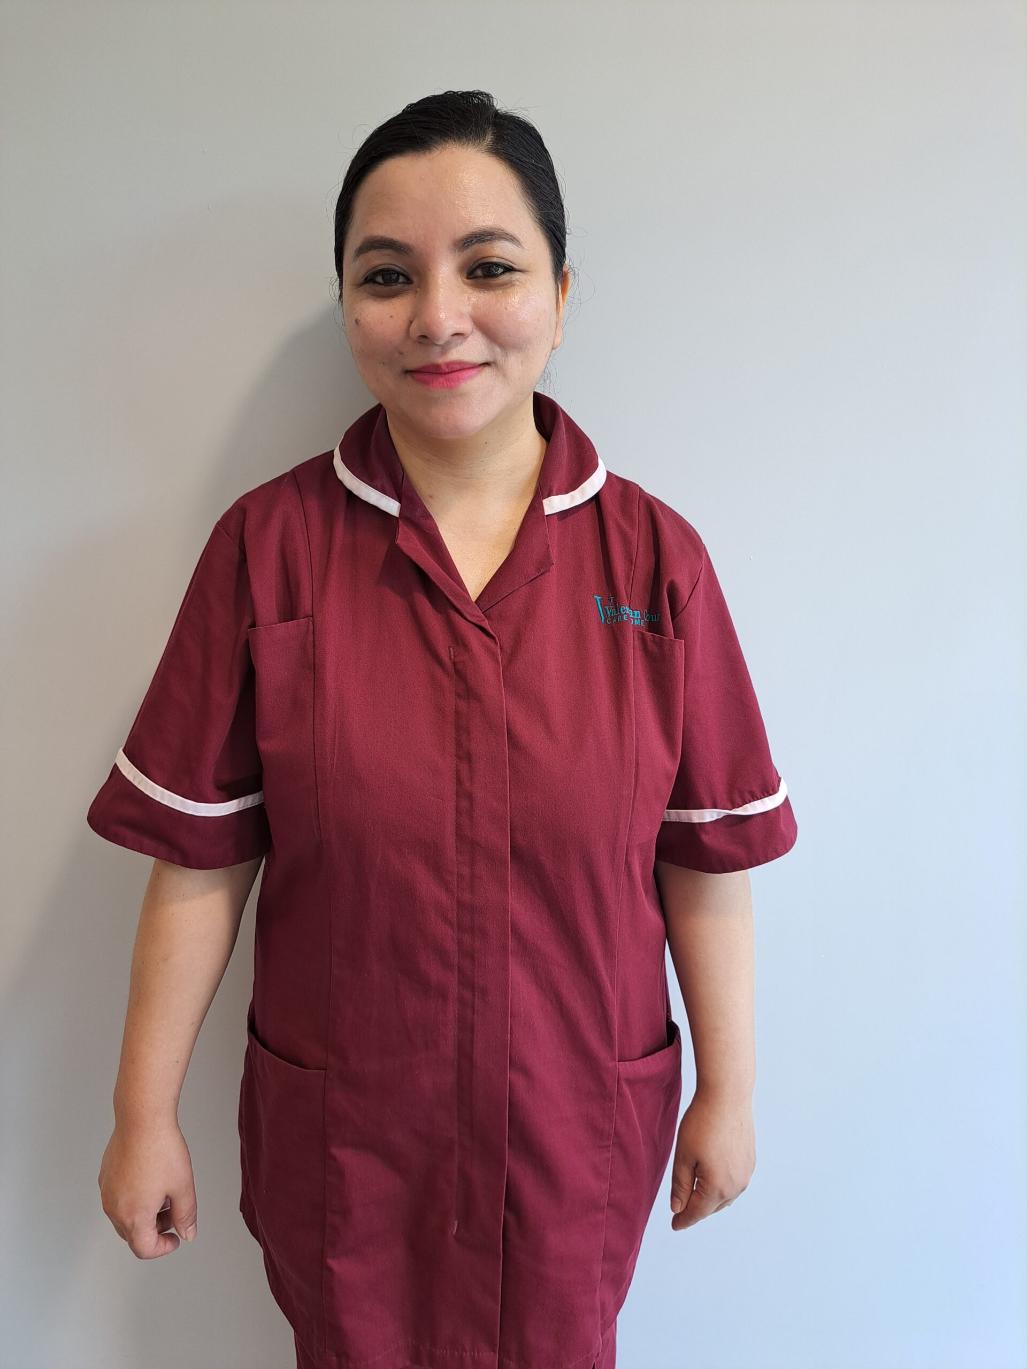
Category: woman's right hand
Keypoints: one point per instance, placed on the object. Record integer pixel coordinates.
(146, 1187)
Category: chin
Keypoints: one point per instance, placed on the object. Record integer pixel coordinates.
(450, 409)
(454, 421)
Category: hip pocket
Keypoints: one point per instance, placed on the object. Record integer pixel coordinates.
(282, 1144)
(645, 1126)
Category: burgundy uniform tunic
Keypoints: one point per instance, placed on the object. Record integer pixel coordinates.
(462, 1080)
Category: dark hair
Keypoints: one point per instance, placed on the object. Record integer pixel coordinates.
(471, 118)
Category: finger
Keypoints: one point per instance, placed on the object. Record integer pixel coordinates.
(147, 1238)
(162, 1237)
(156, 1244)
(701, 1202)
(165, 1218)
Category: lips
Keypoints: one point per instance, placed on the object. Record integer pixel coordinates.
(448, 377)
(445, 367)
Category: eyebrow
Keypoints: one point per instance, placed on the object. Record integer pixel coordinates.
(380, 243)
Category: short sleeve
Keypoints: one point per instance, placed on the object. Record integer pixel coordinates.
(185, 786)
(729, 808)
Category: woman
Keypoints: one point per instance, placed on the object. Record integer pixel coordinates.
(477, 703)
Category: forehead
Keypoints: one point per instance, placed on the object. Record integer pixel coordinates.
(433, 196)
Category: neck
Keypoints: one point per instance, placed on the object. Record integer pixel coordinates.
(487, 472)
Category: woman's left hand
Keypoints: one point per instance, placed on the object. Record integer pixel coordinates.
(714, 1157)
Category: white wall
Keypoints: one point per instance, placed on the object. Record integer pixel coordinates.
(799, 317)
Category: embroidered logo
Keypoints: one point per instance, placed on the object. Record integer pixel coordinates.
(611, 612)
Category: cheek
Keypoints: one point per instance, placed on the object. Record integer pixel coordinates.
(518, 320)
(372, 331)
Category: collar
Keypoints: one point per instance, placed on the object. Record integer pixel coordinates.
(367, 463)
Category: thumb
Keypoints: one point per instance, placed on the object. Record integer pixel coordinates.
(681, 1184)
(183, 1211)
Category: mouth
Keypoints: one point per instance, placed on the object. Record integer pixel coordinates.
(448, 375)
(444, 367)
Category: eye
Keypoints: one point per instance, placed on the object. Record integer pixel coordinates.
(503, 270)
(382, 271)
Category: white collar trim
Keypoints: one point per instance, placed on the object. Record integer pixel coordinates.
(553, 503)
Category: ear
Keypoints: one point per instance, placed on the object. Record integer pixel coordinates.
(561, 304)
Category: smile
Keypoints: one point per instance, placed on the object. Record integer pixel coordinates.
(446, 380)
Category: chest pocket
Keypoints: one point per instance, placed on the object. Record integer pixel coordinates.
(658, 691)
(283, 662)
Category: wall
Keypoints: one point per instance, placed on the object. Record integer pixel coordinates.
(799, 317)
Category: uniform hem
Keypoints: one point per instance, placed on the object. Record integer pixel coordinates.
(413, 1354)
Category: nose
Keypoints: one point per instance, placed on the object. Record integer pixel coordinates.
(441, 308)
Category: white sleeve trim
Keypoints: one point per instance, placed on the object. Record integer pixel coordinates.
(201, 810)
(708, 814)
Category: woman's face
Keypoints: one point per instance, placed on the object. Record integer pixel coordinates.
(426, 298)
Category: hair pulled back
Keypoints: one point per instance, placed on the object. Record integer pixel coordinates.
(470, 118)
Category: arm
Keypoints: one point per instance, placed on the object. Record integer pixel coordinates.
(187, 930)
(710, 934)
